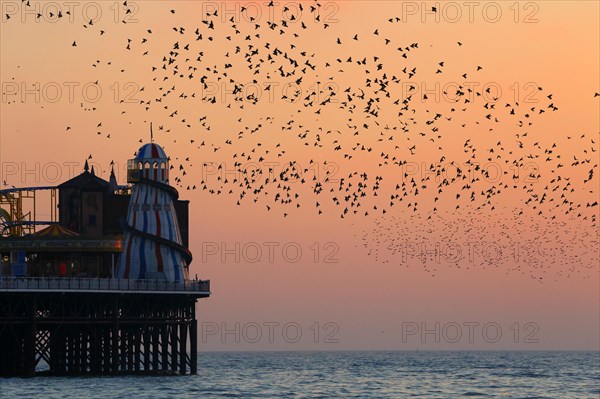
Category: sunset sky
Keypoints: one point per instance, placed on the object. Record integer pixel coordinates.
(509, 264)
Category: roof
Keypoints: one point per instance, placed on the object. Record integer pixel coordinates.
(56, 231)
(151, 151)
(86, 181)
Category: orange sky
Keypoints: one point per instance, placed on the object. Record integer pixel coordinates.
(375, 292)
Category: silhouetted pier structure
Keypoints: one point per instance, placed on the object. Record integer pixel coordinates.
(79, 326)
(104, 288)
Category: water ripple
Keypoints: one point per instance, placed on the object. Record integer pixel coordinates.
(348, 375)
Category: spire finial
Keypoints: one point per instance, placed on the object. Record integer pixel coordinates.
(151, 136)
(86, 167)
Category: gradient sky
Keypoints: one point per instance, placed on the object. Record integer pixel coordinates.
(351, 283)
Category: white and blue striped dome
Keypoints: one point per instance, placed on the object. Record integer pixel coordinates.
(150, 151)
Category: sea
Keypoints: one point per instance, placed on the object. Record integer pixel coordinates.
(344, 375)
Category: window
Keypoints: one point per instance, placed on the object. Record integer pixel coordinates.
(92, 220)
(91, 199)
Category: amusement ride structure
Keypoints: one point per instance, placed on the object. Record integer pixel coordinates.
(104, 287)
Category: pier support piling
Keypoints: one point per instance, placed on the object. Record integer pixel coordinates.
(60, 333)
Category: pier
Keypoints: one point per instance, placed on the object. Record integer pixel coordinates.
(104, 288)
(75, 326)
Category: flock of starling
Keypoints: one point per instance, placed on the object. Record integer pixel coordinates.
(364, 125)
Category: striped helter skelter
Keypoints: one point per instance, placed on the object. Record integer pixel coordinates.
(152, 241)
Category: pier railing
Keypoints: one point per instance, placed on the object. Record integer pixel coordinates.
(101, 285)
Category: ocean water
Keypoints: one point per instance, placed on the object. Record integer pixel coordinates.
(381, 375)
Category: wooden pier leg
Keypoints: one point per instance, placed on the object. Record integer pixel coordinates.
(194, 346)
(115, 348)
(183, 358)
(130, 349)
(155, 347)
(94, 349)
(147, 348)
(121, 342)
(53, 363)
(165, 347)
(65, 350)
(117, 337)
(77, 351)
(29, 342)
(29, 351)
(71, 361)
(174, 346)
(60, 343)
(84, 351)
(107, 346)
(137, 345)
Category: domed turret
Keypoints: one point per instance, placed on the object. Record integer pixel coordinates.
(152, 243)
(151, 162)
